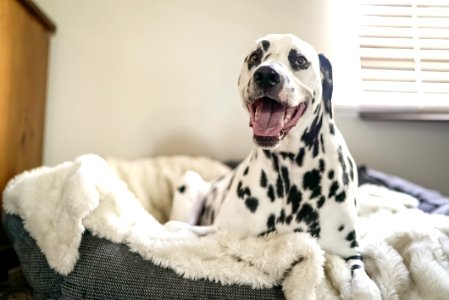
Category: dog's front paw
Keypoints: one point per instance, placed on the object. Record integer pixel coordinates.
(363, 288)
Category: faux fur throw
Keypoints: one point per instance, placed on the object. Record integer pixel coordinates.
(406, 251)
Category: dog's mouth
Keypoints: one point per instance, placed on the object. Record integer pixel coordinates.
(271, 120)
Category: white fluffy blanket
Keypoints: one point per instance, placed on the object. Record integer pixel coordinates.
(406, 251)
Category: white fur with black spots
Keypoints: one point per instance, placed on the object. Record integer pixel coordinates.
(300, 176)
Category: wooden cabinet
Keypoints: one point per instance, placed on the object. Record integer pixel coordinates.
(24, 44)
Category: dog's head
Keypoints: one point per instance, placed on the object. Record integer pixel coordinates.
(282, 83)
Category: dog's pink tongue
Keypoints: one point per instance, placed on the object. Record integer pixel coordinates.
(270, 119)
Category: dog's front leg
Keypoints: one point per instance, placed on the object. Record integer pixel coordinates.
(188, 198)
(338, 236)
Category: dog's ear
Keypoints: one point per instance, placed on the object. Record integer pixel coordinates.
(326, 82)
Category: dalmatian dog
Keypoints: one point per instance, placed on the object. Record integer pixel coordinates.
(300, 175)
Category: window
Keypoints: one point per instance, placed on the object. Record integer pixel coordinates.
(404, 51)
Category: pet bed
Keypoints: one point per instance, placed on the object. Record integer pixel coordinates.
(91, 229)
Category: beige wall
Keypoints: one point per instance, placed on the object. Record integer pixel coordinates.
(138, 78)
(413, 150)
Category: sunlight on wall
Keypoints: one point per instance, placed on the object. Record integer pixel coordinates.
(343, 44)
(140, 78)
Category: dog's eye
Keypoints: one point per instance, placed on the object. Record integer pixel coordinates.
(297, 61)
(254, 58)
(301, 61)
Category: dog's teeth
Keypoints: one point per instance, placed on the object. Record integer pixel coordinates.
(288, 115)
(256, 115)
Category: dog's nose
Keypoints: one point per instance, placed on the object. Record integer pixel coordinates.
(266, 77)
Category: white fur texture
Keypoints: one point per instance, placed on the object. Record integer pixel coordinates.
(406, 251)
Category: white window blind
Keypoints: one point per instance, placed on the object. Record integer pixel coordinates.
(404, 51)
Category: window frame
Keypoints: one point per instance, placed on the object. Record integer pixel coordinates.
(383, 102)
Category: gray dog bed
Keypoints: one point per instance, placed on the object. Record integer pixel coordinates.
(106, 270)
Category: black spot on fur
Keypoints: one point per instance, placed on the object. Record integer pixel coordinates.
(182, 189)
(265, 45)
(307, 214)
(341, 159)
(245, 172)
(300, 157)
(267, 153)
(310, 135)
(322, 143)
(294, 198)
(271, 221)
(330, 174)
(322, 165)
(212, 216)
(310, 216)
(321, 201)
(252, 204)
(263, 179)
(311, 181)
(242, 191)
(354, 257)
(332, 128)
(288, 155)
(266, 232)
(351, 236)
(333, 189)
(289, 219)
(351, 169)
(275, 159)
(314, 229)
(281, 218)
(341, 227)
(355, 267)
(231, 181)
(341, 197)
(350, 163)
(286, 178)
(279, 187)
(270, 193)
(354, 244)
